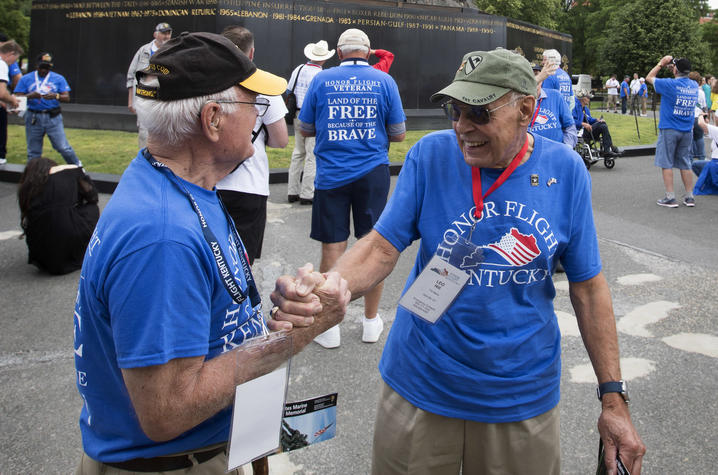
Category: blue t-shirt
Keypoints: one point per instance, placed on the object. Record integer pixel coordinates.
(625, 89)
(53, 83)
(553, 116)
(13, 70)
(643, 90)
(561, 82)
(494, 356)
(350, 107)
(150, 292)
(577, 113)
(678, 101)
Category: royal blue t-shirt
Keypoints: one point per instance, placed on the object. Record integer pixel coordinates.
(625, 89)
(350, 107)
(643, 90)
(577, 113)
(494, 356)
(53, 83)
(553, 116)
(150, 292)
(13, 70)
(561, 82)
(678, 101)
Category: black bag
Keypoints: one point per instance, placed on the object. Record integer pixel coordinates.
(290, 100)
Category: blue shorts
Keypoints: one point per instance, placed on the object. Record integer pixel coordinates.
(364, 197)
(673, 149)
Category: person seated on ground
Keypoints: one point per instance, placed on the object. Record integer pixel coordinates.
(58, 213)
(597, 128)
(707, 170)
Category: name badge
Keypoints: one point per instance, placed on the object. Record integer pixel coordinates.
(434, 290)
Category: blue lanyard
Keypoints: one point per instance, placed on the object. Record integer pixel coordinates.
(230, 283)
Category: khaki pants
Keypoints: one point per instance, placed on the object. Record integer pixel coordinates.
(303, 166)
(410, 441)
(214, 466)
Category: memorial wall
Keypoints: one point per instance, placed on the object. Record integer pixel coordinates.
(94, 41)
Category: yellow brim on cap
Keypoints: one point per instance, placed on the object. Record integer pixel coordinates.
(265, 83)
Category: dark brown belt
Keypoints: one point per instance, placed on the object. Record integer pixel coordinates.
(166, 464)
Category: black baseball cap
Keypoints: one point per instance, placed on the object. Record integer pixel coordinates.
(199, 64)
(682, 65)
(45, 59)
(163, 27)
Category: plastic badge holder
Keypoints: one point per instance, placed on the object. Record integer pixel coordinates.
(258, 408)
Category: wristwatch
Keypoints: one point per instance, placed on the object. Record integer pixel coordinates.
(613, 387)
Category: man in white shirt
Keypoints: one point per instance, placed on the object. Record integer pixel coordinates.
(303, 167)
(244, 192)
(612, 88)
(163, 32)
(635, 86)
(9, 53)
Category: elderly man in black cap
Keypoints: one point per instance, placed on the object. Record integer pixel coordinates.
(471, 368)
(162, 33)
(166, 299)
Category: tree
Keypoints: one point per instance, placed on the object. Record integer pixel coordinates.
(709, 33)
(545, 13)
(638, 34)
(15, 20)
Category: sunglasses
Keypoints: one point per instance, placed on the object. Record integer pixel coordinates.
(480, 115)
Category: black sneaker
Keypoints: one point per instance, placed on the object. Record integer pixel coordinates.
(292, 198)
(668, 202)
(689, 201)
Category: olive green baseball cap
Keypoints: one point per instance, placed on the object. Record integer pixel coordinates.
(484, 76)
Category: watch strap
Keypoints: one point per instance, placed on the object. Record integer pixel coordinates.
(612, 387)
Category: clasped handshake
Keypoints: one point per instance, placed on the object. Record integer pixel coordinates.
(309, 299)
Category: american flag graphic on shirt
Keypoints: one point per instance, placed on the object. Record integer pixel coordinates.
(516, 248)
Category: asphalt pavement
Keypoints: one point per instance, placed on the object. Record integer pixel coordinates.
(661, 265)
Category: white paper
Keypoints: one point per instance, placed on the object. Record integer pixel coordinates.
(434, 290)
(257, 417)
(21, 105)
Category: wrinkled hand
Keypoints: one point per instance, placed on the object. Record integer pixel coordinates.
(293, 295)
(587, 126)
(334, 295)
(620, 437)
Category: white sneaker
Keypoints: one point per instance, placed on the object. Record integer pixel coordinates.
(372, 329)
(330, 338)
(3, 161)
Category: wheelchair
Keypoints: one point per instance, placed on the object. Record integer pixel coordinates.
(590, 151)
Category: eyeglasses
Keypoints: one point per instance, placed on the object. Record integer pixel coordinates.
(480, 115)
(262, 104)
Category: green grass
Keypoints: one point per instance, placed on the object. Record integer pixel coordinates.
(108, 151)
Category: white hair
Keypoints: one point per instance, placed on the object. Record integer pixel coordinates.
(552, 54)
(175, 121)
(347, 49)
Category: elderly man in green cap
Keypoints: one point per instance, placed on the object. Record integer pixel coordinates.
(471, 368)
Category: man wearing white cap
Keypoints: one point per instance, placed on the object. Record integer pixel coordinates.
(303, 166)
(355, 111)
(162, 33)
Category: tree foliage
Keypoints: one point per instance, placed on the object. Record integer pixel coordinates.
(709, 34)
(15, 20)
(545, 13)
(638, 34)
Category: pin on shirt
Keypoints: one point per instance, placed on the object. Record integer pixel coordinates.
(551, 181)
(534, 180)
